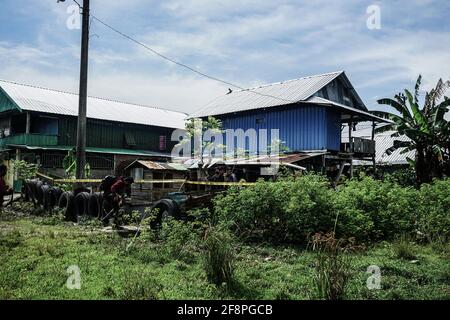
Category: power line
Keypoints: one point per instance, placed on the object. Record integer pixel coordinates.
(184, 65)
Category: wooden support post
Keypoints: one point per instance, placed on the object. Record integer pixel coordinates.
(324, 165)
(28, 125)
(373, 139)
(350, 142)
(341, 168)
(351, 168)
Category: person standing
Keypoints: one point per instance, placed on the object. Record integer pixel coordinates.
(4, 189)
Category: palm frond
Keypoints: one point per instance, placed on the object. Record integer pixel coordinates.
(417, 88)
(401, 108)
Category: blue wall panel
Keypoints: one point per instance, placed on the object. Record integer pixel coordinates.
(305, 127)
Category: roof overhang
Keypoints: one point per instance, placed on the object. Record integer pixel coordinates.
(98, 150)
(348, 114)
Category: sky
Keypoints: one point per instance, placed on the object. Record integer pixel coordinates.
(245, 42)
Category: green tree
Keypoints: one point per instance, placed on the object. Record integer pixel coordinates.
(426, 128)
(70, 165)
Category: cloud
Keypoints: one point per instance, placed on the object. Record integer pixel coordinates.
(246, 42)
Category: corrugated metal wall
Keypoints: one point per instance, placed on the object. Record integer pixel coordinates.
(333, 130)
(300, 127)
(106, 134)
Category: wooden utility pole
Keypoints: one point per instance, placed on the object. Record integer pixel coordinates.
(81, 127)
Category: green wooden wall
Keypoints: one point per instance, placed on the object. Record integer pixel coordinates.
(108, 134)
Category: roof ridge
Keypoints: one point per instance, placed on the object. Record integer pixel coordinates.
(92, 97)
(291, 80)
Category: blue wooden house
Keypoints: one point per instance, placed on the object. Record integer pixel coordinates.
(310, 114)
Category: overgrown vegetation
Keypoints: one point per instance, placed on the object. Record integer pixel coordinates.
(292, 209)
(332, 266)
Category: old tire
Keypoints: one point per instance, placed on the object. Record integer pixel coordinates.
(41, 193)
(166, 208)
(37, 191)
(51, 197)
(81, 204)
(66, 202)
(94, 208)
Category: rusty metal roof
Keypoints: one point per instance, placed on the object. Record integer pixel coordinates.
(153, 165)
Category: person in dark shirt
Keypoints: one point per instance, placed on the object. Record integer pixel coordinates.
(118, 190)
(4, 189)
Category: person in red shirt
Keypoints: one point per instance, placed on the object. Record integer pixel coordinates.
(117, 191)
(4, 189)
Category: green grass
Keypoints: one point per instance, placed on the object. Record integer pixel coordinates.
(35, 253)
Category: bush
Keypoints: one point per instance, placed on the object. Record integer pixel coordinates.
(284, 211)
(434, 210)
(290, 210)
(218, 255)
(374, 210)
(139, 286)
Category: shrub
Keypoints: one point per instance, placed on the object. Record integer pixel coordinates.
(434, 210)
(138, 286)
(373, 210)
(218, 255)
(284, 211)
(179, 238)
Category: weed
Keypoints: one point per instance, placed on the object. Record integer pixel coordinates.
(332, 266)
(404, 249)
(218, 255)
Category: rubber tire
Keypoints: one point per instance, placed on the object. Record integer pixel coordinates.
(167, 208)
(51, 197)
(46, 193)
(81, 204)
(42, 191)
(94, 208)
(67, 202)
(37, 192)
(55, 195)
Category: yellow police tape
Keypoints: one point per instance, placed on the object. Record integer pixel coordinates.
(203, 183)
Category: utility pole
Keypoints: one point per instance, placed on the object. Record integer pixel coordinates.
(81, 127)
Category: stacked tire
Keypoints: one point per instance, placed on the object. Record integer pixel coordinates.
(74, 206)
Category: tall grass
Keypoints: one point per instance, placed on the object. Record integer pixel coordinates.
(332, 266)
(218, 255)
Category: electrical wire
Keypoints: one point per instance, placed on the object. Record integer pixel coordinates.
(185, 65)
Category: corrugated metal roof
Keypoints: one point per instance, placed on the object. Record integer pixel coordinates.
(364, 114)
(153, 165)
(265, 96)
(129, 152)
(32, 98)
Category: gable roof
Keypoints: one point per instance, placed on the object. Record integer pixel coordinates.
(33, 98)
(275, 94)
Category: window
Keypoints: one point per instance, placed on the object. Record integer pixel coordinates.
(260, 120)
(44, 125)
(129, 139)
(162, 143)
(137, 174)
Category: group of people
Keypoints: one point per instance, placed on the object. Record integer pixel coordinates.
(223, 175)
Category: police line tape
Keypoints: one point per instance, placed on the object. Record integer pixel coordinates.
(205, 183)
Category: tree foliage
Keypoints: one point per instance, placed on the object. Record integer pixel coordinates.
(427, 129)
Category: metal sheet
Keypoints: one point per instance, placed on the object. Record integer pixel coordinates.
(32, 98)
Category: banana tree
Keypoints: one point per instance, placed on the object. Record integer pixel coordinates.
(426, 128)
